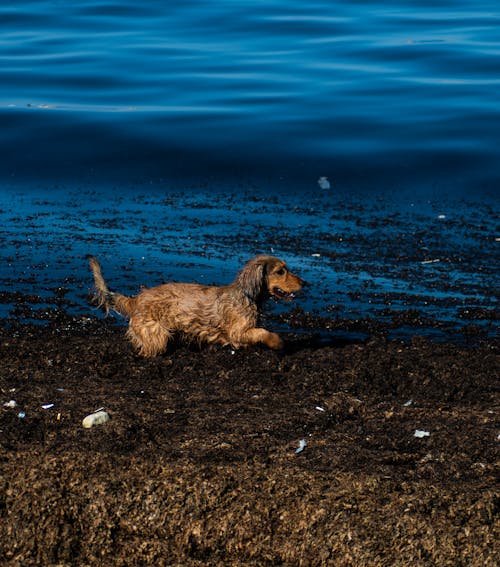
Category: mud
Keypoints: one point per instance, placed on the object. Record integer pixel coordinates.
(198, 464)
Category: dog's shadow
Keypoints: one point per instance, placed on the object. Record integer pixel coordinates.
(293, 343)
(299, 342)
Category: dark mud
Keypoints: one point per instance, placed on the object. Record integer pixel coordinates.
(198, 464)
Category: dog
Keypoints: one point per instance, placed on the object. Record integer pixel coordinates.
(225, 315)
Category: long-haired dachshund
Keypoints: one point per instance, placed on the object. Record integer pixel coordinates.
(226, 315)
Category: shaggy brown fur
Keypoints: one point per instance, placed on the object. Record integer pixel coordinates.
(226, 315)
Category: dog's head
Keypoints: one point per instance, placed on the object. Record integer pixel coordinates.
(265, 276)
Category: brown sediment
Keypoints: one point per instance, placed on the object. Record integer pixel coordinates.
(197, 465)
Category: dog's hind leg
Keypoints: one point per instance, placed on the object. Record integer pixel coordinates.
(149, 337)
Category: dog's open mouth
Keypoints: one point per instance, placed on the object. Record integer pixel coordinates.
(282, 294)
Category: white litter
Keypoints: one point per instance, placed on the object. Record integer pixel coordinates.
(96, 418)
(47, 406)
(319, 408)
(301, 447)
(441, 217)
(316, 255)
(323, 182)
(431, 261)
(21, 415)
(408, 403)
(419, 433)
(10, 404)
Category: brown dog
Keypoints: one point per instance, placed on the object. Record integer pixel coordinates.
(226, 315)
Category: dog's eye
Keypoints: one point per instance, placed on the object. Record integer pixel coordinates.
(281, 272)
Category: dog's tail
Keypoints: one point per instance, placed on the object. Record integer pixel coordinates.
(104, 297)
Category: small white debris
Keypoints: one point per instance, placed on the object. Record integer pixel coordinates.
(497, 239)
(316, 255)
(324, 183)
(95, 418)
(10, 404)
(441, 217)
(408, 403)
(301, 447)
(431, 261)
(319, 408)
(47, 406)
(21, 415)
(419, 433)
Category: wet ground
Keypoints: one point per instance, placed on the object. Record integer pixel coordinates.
(407, 263)
(388, 382)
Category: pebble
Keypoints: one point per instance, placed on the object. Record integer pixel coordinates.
(421, 434)
(95, 418)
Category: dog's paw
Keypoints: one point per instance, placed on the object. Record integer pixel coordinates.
(274, 341)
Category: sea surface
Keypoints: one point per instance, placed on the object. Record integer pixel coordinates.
(375, 95)
(358, 140)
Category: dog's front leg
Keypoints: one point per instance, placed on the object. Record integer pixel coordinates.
(258, 335)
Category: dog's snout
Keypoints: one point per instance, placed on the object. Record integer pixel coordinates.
(300, 281)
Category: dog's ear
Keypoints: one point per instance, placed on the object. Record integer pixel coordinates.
(251, 278)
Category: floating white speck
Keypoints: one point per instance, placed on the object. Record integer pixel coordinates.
(419, 433)
(441, 217)
(47, 406)
(316, 255)
(431, 261)
(408, 403)
(21, 415)
(323, 182)
(10, 404)
(301, 447)
(319, 408)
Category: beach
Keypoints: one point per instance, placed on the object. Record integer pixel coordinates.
(370, 439)
(358, 143)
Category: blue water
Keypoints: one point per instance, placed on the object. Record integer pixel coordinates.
(373, 95)
(177, 140)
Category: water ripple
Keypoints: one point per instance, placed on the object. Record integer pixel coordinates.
(272, 86)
